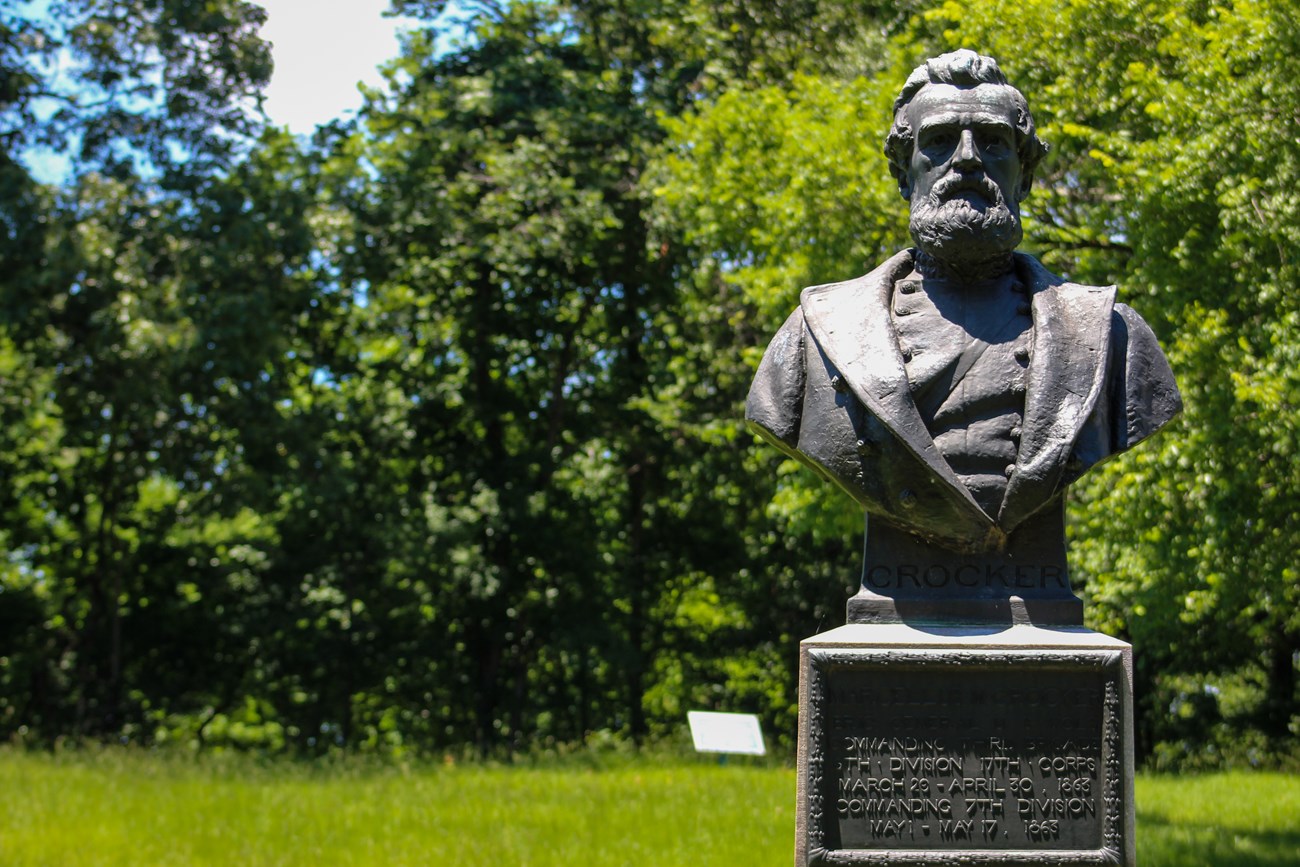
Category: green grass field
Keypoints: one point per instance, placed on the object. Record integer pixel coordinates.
(132, 808)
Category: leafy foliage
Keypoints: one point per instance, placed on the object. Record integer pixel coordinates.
(1172, 174)
(426, 433)
(1186, 123)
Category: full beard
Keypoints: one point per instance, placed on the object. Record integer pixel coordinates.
(961, 234)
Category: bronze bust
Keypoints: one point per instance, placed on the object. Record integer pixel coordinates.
(960, 387)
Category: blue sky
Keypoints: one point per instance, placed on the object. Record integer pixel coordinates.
(322, 50)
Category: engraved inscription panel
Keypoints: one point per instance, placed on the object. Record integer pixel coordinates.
(964, 757)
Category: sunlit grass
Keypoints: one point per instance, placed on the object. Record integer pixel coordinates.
(136, 808)
(1226, 820)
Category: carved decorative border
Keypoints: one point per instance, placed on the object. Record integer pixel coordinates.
(822, 661)
(1113, 822)
(816, 763)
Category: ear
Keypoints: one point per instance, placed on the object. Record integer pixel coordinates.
(1026, 183)
(905, 186)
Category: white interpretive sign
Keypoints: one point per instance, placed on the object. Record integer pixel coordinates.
(726, 733)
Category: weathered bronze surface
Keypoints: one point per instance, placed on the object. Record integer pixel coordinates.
(959, 388)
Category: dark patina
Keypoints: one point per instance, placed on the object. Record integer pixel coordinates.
(957, 390)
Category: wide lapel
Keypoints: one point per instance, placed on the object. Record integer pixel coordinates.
(1066, 373)
(850, 322)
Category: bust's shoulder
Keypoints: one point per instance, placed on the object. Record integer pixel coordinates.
(1123, 317)
(886, 274)
(1040, 278)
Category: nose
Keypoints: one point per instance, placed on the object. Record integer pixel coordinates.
(967, 155)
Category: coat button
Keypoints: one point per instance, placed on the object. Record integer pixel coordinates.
(907, 288)
(1015, 434)
(907, 499)
(865, 447)
(1011, 468)
(908, 354)
(1022, 355)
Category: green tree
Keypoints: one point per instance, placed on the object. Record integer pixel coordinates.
(508, 256)
(119, 339)
(121, 85)
(1171, 176)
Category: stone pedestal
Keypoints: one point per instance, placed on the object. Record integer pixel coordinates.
(945, 745)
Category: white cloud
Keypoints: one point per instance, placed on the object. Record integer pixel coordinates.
(322, 49)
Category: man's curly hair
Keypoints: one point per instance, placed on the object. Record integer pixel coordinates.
(963, 68)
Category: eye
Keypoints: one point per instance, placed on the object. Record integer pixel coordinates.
(939, 140)
(994, 141)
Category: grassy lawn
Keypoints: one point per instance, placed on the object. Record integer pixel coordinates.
(1233, 820)
(136, 809)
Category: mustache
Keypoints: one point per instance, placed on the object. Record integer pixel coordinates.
(953, 185)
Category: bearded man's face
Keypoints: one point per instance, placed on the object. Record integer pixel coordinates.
(965, 180)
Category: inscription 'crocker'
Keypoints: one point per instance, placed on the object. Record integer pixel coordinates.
(1022, 576)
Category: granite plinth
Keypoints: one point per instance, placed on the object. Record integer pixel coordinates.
(961, 745)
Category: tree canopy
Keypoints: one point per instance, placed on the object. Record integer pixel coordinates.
(425, 433)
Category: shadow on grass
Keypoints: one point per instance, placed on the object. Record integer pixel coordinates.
(1162, 843)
